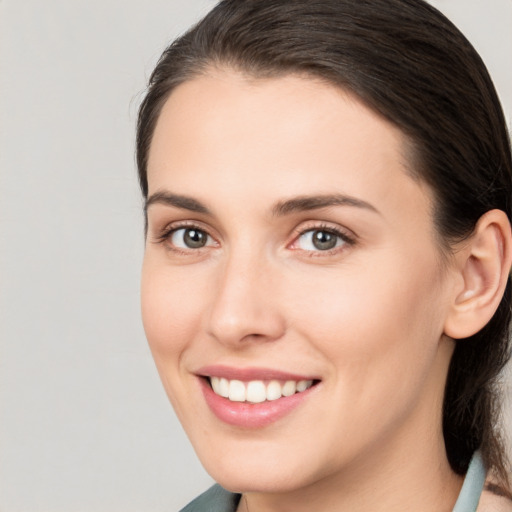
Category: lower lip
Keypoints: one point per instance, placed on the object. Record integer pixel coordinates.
(248, 415)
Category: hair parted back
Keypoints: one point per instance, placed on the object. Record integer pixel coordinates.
(406, 61)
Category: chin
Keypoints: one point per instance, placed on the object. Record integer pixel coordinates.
(257, 479)
(264, 466)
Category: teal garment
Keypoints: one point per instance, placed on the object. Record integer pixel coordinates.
(217, 499)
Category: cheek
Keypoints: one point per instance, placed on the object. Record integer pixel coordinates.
(378, 326)
(169, 308)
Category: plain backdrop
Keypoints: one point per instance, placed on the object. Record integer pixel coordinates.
(84, 422)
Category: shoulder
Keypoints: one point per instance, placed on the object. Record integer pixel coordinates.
(494, 499)
(215, 499)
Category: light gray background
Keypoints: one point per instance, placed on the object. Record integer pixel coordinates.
(84, 422)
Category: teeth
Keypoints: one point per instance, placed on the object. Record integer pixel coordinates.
(224, 387)
(256, 391)
(220, 386)
(237, 391)
(274, 390)
(214, 381)
(302, 385)
(289, 388)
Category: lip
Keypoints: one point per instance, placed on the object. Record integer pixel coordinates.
(252, 373)
(248, 415)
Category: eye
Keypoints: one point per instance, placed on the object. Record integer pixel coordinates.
(189, 238)
(320, 240)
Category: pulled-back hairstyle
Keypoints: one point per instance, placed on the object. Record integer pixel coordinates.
(407, 62)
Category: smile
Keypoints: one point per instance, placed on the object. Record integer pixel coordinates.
(257, 391)
(254, 397)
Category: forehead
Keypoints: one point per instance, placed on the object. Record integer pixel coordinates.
(286, 134)
(266, 108)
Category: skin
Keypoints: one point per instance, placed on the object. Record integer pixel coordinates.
(367, 317)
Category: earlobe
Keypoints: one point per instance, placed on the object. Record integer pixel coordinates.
(483, 268)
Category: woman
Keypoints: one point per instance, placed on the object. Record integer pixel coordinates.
(326, 282)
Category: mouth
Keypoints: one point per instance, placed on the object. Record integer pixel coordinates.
(254, 398)
(257, 391)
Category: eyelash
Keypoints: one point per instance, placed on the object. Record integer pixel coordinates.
(166, 234)
(348, 240)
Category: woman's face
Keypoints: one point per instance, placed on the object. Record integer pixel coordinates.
(291, 260)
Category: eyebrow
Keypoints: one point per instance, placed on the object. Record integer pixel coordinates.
(306, 203)
(176, 200)
(296, 204)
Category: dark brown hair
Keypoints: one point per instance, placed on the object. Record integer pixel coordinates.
(406, 61)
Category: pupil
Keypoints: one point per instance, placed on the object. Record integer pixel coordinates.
(323, 240)
(194, 238)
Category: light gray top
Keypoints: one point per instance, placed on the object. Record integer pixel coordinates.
(217, 499)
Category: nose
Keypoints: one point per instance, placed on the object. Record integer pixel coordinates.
(245, 306)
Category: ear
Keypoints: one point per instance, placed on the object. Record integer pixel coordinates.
(482, 270)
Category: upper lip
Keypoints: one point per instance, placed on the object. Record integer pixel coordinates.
(251, 373)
